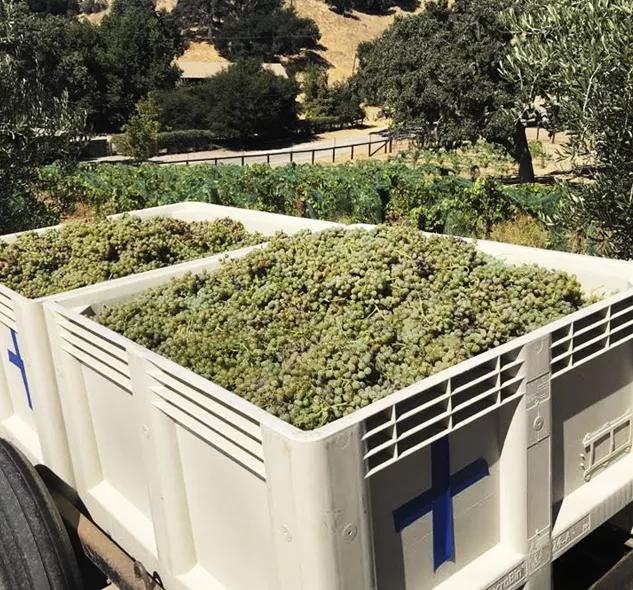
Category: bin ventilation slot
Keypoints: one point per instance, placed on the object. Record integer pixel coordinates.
(215, 408)
(590, 336)
(95, 355)
(253, 464)
(7, 320)
(233, 433)
(604, 445)
(112, 348)
(7, 315)
(424, 416)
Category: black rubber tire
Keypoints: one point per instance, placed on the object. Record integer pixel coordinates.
(35, 550)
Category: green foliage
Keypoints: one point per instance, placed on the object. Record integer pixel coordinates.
(538, 151)
(200, 17)
(140, 133)
(266, 109)
(82, 253)
(56, 7)
(469, 159)
(576, 58)
(141, 45)
(370, 6)
(190, 140)
(93, 6)
(262, 29)
(346, 105)
(44, 45)
(523, 231)
(266, 35)
(337, 103)
(455, 206)
(186, 107)
(37, 126)
(437, 74)
(106, 69)
(317, 102)
(314, 327)
(367, 192)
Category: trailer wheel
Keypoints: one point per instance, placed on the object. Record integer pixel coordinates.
(35, 550)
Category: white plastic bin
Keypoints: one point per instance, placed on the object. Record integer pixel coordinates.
(477, 477)
(30, 414)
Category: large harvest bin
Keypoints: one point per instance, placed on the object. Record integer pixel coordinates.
(474, 478)
(30, 413)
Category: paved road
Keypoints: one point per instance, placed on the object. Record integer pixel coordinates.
(345, 148)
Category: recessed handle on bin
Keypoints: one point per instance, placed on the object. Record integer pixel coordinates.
(605, 436)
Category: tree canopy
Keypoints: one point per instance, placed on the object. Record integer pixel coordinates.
(369, 6)
(56, 7)
(106, 69)
(576, 59)
(437, 73)
(260, 29)
(245, 101)
(140, 46)
(265, 35)
(338, 101)
(37, 125)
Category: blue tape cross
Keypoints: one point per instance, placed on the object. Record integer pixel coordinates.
(438, 499)
(15, 358)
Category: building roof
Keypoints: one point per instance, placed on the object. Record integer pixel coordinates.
(198, 70)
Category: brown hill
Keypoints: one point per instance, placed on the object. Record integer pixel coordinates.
(340, 35)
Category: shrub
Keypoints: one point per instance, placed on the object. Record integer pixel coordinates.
(185, 108)
(524, 230)
(93, 6)
(139, 139)
(368, 192)
(189, 140)
(265, 35)
(327, 107)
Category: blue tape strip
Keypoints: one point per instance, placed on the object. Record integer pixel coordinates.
(438, 499)
(469, 476)
(413, 510)
(15, 358)
(442, 504)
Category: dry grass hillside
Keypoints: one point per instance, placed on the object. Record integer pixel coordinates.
(340, 35)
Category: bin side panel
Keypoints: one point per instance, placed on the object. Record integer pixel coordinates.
(229, 520)
(426, 529)
(585, 402)
(17, 419)
(207, 482)
(116, 434)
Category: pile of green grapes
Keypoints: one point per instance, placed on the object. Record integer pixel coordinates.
(316, 326)
(85, 253)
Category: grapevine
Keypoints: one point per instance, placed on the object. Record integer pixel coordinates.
(82, 253)
(315, 326)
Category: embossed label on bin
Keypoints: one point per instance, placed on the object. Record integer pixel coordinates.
(573, 533)
(509, 581)
(538, 391)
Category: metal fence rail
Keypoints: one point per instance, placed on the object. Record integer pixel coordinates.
(369, 148)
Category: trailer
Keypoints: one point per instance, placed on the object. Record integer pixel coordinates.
(478, 477)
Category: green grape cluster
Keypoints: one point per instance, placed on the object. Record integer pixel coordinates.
(85, 253)
(315, 326)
